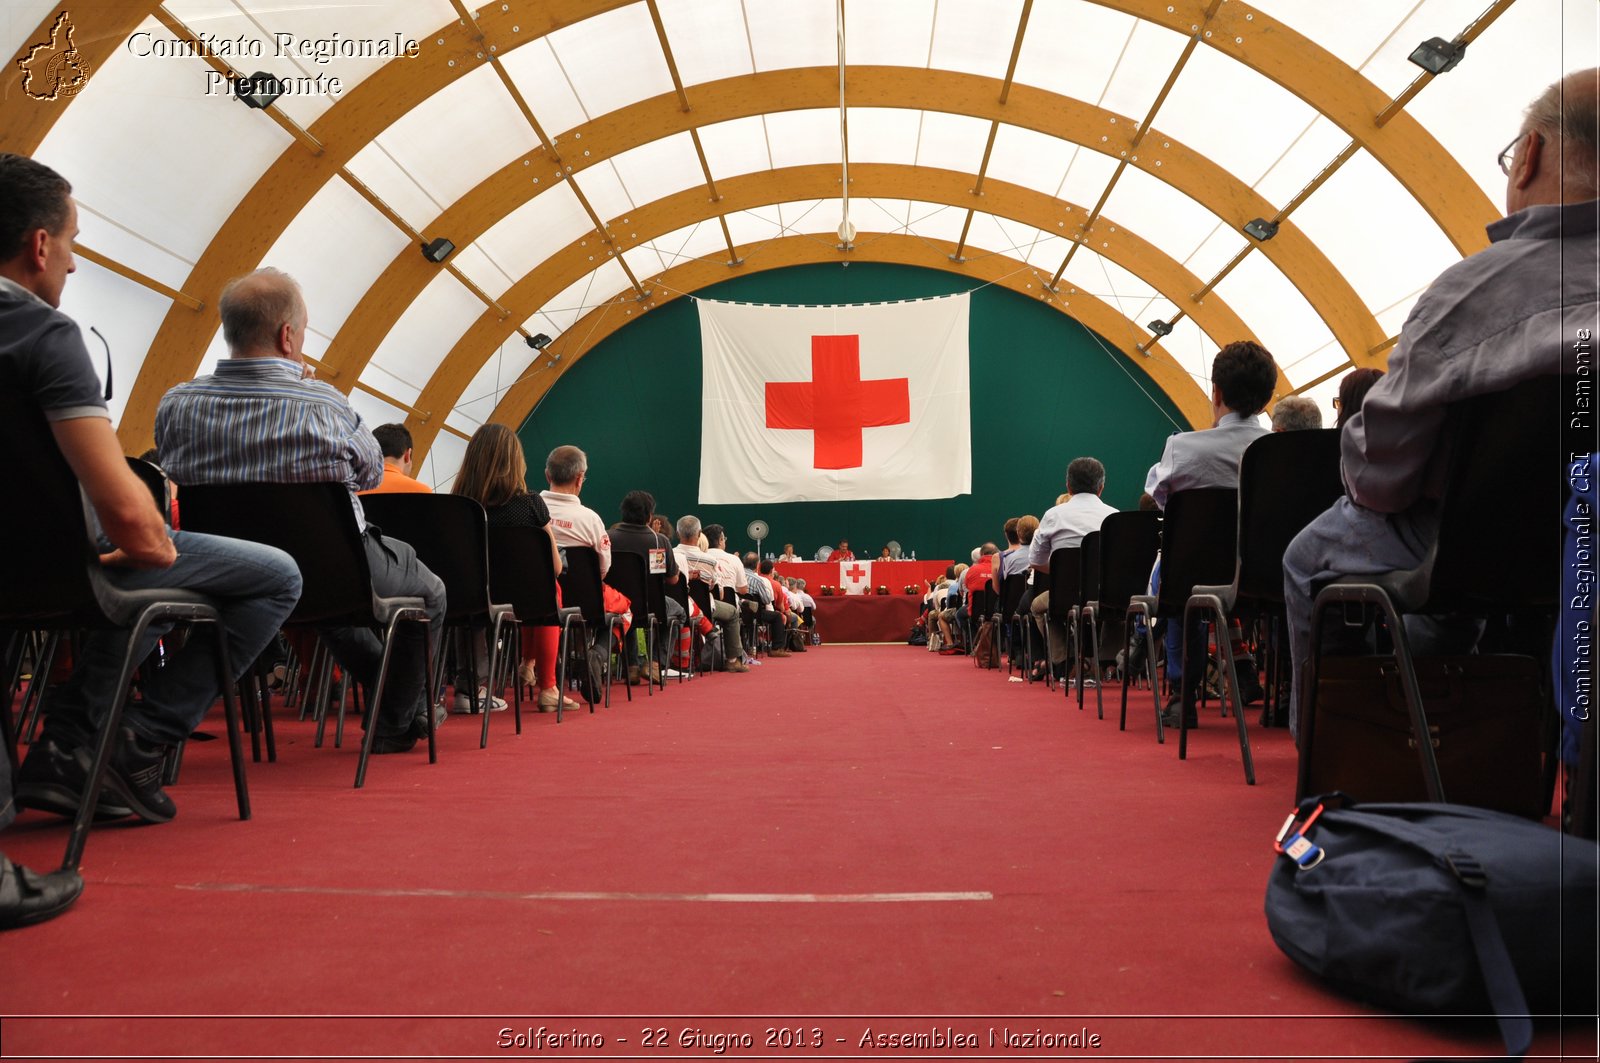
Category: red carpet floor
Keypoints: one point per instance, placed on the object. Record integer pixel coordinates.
(856, 842)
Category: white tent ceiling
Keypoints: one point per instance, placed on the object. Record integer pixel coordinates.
(162, 170)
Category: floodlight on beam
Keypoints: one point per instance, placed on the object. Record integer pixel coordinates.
(1160, 329)
(539, 342)
(1437, 55)
(438, 249)
(259, 90)
(1261, 229)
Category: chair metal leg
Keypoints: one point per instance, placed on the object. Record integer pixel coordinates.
(231, 718)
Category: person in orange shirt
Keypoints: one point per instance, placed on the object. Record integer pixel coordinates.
(395, 442)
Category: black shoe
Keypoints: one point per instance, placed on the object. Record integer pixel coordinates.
(400, 743)
(52, 780)
(134, 777)
(27, 897)
(1170, 716)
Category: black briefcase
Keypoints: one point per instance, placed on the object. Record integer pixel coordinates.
(1483, 720)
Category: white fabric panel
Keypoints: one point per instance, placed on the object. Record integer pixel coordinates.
(374, 411)
(659, 168)
(790, 33)
(581, 296)
(1150, 55)
(1282, 319)
(889, 32)
(459, 135)
(481, 270)
(1324, 360)
(391, 384)
(800, 137)
(952, 141)
(1001, 236)
(753, 226)
(590, 50)
(1477, 108)
(1217, 251)
(701, 240)
(876, 215)
(767, 437)
(936, 221)
(490, 383)
(707, 38)
(1301, 160)
(1261, 117)
(646, 261)
(1087, 176)
(1386, 246)
(809, 216)
(1109, 282)
(602, 187)
(1046, 254)
(439, 468)
(19, 26)
(1032, 160)
(105, 236)
(1158, 212)
(139, 146)
(542, 82)
(315, 28)
(427, 331)
(374, 167)
(1054, 52)
(536, 230)
(975, 36)
(1352, 29)
(128, 315)
(336, 248)
(884, 134)
(736, 147)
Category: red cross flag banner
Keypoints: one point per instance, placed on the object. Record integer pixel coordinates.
(834, 403)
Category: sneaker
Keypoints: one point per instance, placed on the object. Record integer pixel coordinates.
(672, 673)
(52, 780)
(463, 701)
(134, 777)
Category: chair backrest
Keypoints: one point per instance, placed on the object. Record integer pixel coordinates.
(1064, 572)
(450, 535)
(982, 604)
(701, 593)
(46, 549)
(580, 585)
(1286, 479)
(522, 573)
(313, 523)
(1199, 533)
(1499, 544)
(1089, 569)
(1012, 588)
(629, 574)
(156, 481)
(1128, 545)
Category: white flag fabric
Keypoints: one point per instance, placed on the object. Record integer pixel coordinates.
(834, 403)
(855, 577)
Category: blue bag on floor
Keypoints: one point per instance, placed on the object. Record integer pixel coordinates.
(1439, 909)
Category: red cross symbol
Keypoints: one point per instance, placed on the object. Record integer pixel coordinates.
(837, 405)
(855, 572)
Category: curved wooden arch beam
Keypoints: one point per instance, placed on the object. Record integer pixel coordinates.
(488, 332)
(384, 303)
(98, 30)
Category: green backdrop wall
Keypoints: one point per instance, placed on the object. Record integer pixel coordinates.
(1044, 391)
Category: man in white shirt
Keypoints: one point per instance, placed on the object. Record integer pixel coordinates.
(1062, 528)
(571, 522)
(701, 565)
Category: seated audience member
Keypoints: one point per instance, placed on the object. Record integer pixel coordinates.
(494, 473)
(571, 522)
(786, 631)
(1504, 315)
(1295, 413)
(1243, 375)
(662, 526)
(1062, 527)
(43, 360)
(978, 577)
(842, 552)
(1016, 559)
(260, 418)
(632, 535)
(695, 562)
(394, 440)
(762, 603)
(1353, 388)
(789, 554)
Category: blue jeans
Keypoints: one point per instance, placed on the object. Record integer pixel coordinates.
(254, 588)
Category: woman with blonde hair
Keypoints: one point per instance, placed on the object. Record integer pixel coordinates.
(494, 474)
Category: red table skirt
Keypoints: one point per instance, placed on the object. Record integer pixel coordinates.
(867, 617)
(868, 575)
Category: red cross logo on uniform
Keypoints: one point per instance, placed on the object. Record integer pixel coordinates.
(837, 405)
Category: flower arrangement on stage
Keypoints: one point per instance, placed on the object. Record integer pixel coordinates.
(882, 589)
(911, 588)
(827, 591)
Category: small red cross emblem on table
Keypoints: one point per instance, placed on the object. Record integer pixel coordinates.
(837, 405)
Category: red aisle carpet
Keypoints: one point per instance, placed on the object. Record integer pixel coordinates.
(859, 838)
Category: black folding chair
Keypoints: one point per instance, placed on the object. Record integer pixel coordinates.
(1285, 480)
(53, 580)
(580, 587)
(1490, 558)
(156, 480)
(315, 524)
(701, 593)
(1009, 623)
(450, 535)
(1065, 572)
(1127, 545)
(629, 575)
(679, 592)
(522, 573)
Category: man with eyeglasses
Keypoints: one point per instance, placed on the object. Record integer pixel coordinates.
(1506, 314)
(42, 356)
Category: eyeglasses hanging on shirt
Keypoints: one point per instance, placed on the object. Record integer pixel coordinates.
(107, 346)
